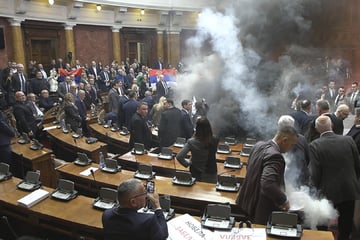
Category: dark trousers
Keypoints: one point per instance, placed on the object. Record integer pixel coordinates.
(345, 219)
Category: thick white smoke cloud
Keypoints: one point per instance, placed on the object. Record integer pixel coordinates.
(249, 59)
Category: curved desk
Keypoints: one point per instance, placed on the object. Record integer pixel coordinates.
(65, 142)
(76, 219)
(186, 199)
(167, 167)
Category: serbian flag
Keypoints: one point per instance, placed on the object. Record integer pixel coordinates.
(169, 74)
(77, 72)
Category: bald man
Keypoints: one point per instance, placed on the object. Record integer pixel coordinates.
(334, 170)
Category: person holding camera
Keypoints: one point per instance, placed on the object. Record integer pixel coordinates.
(125, 222)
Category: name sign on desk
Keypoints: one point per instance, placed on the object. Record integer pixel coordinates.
(187, 227)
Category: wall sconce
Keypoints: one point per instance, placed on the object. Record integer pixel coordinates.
(98, 7)
(51, 2)
(142, 11)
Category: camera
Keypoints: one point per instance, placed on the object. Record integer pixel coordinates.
(150, 186)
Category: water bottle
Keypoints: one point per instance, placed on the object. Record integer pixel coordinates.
(101, 160)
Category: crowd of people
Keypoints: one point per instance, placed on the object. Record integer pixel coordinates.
(312, 132)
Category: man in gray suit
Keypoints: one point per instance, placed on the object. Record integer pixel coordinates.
(334, 170)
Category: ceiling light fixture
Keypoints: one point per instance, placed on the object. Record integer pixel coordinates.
(142, 11)
(98, 7)
(51, 2)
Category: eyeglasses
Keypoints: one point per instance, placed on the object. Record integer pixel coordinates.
(140, 194)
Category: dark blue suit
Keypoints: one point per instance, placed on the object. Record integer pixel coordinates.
(129, 109)
(187, 128)
(82, 112)
(126, 224)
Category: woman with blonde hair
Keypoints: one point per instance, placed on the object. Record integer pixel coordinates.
(156, 111)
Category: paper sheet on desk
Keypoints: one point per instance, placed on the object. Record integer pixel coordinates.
(187, 227)
(49, 128)
(87, 172)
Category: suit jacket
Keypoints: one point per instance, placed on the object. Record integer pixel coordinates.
(81, 108)
(6, 131)
(91, 71)
(169, 127)
(262, 190)
(114, 98)
(338, 124)
(354, 132)
(187, 127)
(335, 167)
(160, 90)
(25, 120)
(139, 131)
(72, 116)
(36, 85)
(46, 103)
(129, 108)
(124, 223)
(352, 103)
(16, 85)
(302, 121)
(62, 89)
(121, 115)
(102, 83)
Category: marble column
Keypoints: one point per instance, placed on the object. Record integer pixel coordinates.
(18, 41)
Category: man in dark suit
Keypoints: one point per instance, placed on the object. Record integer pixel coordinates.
(19, 80)
(124, 222)
(139, 130)
(64, 87)
(353, 96)
(129, 108)
(302, 117)
(337, 118)
(104, 80)
(38, 83)
(25, 120)
(330, 94)
(261, 192)
(334, 170)
(158, 64)
(170, 125)
(354, 131)
(45, 101)
(80, 104)
(187, 127)
(94, 70)
(162, 88)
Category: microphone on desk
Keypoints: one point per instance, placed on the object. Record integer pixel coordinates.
(93, 175)
(224, 172)
(75, 141)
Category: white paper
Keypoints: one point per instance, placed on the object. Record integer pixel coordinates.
(87, 172)
(33, 198)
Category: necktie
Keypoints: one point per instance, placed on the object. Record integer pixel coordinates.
(352, 98)
(337, 99)
(22, 82)
(67, 88)
(165, 87)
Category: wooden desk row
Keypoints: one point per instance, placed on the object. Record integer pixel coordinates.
(184, 199)
(76, 219)
(65, 142)
(26, 159)
(167, 167)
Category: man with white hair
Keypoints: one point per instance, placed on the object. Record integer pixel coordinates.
(334, 170)
(297, 159)
(337, 118)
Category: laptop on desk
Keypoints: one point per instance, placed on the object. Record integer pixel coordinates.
(245, 151)
(65, 190)
(250, 142)
(224, 149)
(284, 224)
(111, 166)
(31, 181)
(230, 141)
(166, 154)
(4, 171)
(180, 142)
(183, 178)
(144, 172)
(138, 149)
(107, 199)
(217, 216)
(233, 162)
(82, 159)
(227, 183)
